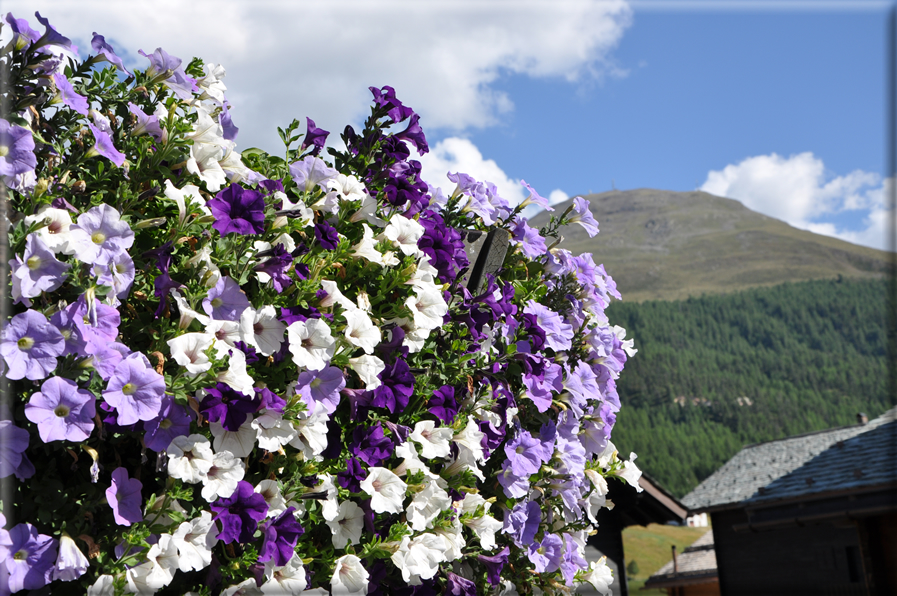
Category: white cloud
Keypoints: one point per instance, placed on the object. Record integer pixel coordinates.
(317, 59)
(460, 155)
(799, 191)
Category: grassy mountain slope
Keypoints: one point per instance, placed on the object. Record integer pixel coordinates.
(665, 245)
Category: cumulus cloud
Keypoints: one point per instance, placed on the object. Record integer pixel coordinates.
(799, 191)
(309, 58)
(461, 155)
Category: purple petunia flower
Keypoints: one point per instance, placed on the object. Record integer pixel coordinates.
(396, 387)
(226, 301)
(584, 216)
(385, 98)
(228, 129)
(494, 565)
(100, 236)
(414, 134)
(522, 522)
(443, 405)
(276, 266)
(526, 454)
(314, 137)
(279, 538)
(124, 498)
(16, 149)
(321, 386)
(227, 406)
(31, 558)
(146, 124)
(62, 411)
(135, 390)
(13, 443)
(327, 235)
(173, 421)
(67, 94)
(354, 474)
(459, 586)
(99, 45)
(558, 334)
(30, 345)
(104, 147)
(370, 445)
(238, 210)
(240, 513)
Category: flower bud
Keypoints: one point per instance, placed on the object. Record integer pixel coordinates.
(154, 222)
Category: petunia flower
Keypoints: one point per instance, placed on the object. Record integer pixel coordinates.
(190, 458)
(71, 563)
(38, 270)
(322, 386)
(100, 235)
(279, 538)
(66, 94)
(583, 216)
(349, 576)
(289, 579)
(135, 390)
(387, 491)
(13, 444)
(62, 411)
(226, 301)
(16, 149)
(204, 162)
(222, 478)
(194, 541)
(310, 343)
(30, 345)
(124, 498)
(238, 210)
(173, 421)
(360, 330)
(347, 526)
(240, 513)
(31, 558)
(99, 45)
(311, 172)
(434, 442)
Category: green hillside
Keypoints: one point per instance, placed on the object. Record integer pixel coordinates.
(718, 372)
(649, 546)
(665, 245)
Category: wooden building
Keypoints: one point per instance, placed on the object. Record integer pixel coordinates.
(653, 505)
(810, 514)
(691, 573)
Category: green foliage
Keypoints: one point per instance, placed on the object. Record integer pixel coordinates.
(716, 373)
(632, 569)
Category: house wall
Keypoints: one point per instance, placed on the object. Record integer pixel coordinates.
(820, 559)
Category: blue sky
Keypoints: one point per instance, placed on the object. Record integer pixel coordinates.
(779, 105)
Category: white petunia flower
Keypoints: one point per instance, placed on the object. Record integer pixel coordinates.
(222, 478)
(203, 162)
(164, 559)
(236, 376)
(166, 503)
(187, 314)
(270, 490)
(485, 528)
(387, 490)
(262, 329)
(419, 558)
(194, 540)
(104, 586)
(434, 442)
(630, 473)
(238, 442)
(244, 588)
(55, 229)
(365, 248)
(347, 188)
(311, 344)
(414, 336)
(306, 215)
(289, 579)
(334, 296)
(470, 438)
(360, 331)
(466, 461)
(347, 525)
(367, 368)
(428, 308)
(349, 576)
(368, 212)
(454, 540)
(189, 349)
(312, 429)
(71, 562)
(272, 431)
(600, 576)
(426, 506)
(330, 505)
(190, 458)
(184, 197)
(226, 334)
(404, 233)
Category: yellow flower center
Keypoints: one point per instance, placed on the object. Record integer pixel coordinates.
(33, 263)
(61, 411)
(216, 302)
(4, 150)
(129, 389)
(165, 424)
(25, 343)
(98, 237)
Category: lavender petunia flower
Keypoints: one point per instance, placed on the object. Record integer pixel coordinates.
(146, 124)
(135, 390)
(321, 387)
(526, 454)
(522, 522)
(31, 558)
(162, 64)
(311, 172)
(532, 245)
(53, 37)
(558, 334)
(62, 411)
(173, 421)
(240, 513)
(38, 270)
(67, 94)
(584, 216)
(99, 45)
(279, 538)
(16, 149)
(314, 137)
(535, 198)
(13, 443)
(23, 34)
(546, 555)
(124, 498)
(71, 563)
(226, 301)
(104, 147)
(238, 210)
(100, 236)
(30, 345)
(573, 560)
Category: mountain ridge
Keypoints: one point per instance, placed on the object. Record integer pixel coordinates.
(669, 245)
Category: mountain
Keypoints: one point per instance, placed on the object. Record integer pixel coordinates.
(665, 245)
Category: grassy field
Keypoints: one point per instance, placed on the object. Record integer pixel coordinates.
(650, 548)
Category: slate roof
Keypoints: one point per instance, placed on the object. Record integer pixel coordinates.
(848, 458)
(696, 564)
